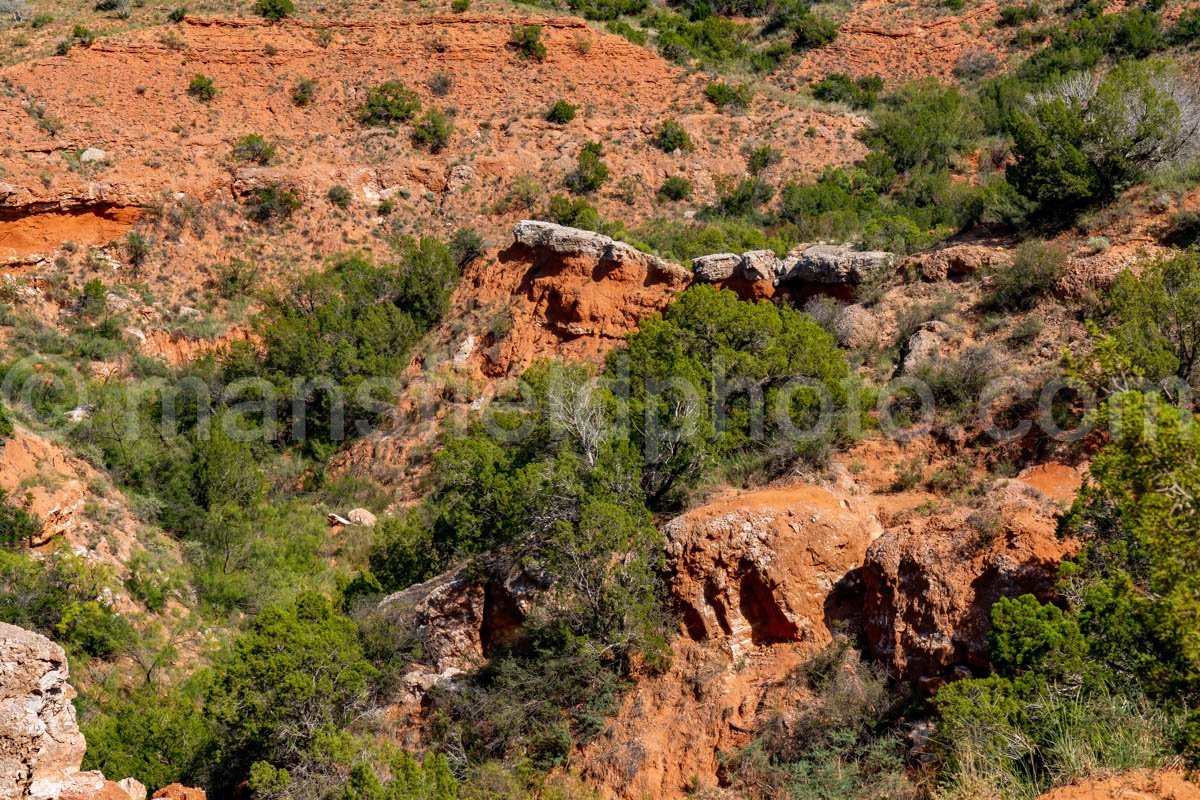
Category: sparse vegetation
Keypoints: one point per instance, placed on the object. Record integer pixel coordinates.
(253, 148)
(729, 96)
(387, 104)
(303, 92)
(675, 188)
(590, 170)
(203, 88)
(274, 10)
(527, 41)
(561, 113)
(340, 196)
(433, 131)
(673, 137)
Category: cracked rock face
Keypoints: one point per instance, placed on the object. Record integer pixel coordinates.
(41, 747)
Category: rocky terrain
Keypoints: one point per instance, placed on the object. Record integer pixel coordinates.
(220, 595)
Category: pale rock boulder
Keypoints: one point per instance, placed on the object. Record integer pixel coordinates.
(833, 264)
(41, 747)
(759, 265)
(577, 242)
(715, 267)
(925, 346)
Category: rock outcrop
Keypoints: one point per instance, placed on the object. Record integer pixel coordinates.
(929, 584)
(955, 260)
(757, 581)
(833, 264)
(826, 264)
(458, 617)
(606, 251)
(41, 748)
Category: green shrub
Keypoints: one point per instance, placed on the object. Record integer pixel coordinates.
(137, 249)
(433, 131)
(561, 113)
(253, 148)
(460, 6)
(296, 667)
(672, 136)
(1187, 26)
(590, 170)
(761, 157)
(274, 202)
(274, 10)
(527, 41)
(41, 20)
(810, 30)
(1154, 314)
(924, 124)
(303, 92)
(177, 15)
(837, 87)
(1077, 144)
(627, 31)
(1012, 14)
(466, 245)
(203, 88)
(729, 96)
(675, 188)
(1035, 270)
(739, 198)
(576, 213)
(340, 196)
(388, 103)
(18, 527)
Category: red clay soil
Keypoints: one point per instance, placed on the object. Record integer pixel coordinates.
(1137, 785)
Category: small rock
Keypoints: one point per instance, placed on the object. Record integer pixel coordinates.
(460, 176)
(134, 788)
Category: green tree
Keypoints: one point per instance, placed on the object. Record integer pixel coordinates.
(1157, 315)
(924, 124)
(590, 170)
(1085, 139)
(387, 104)
(296, 670)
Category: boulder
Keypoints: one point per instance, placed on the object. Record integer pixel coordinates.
(360, 516)
(41, 747)
(177, 791)
(924, 347)
(93, 155)
(929, 584)
(716, 267)
(955, 260)
(759, 265)
(458, 617)
(833, 264)
(566, 241)
(758, 568)
(855, 326)
(134, 788)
